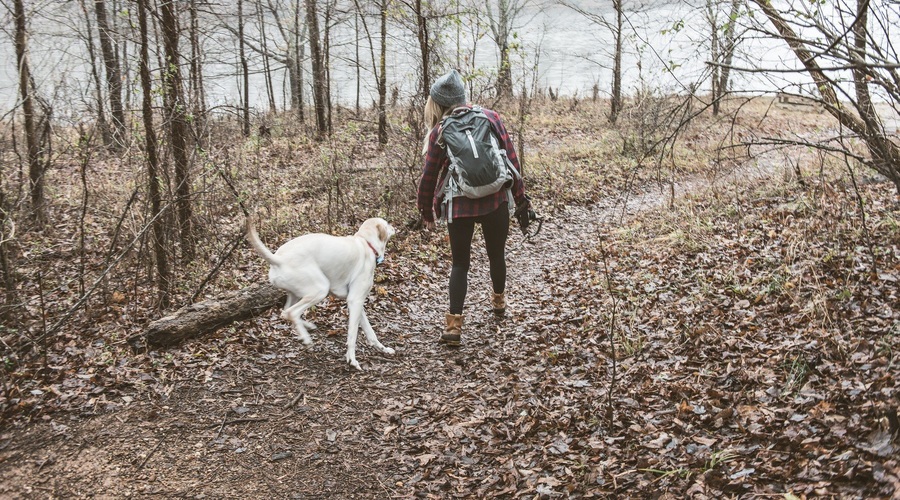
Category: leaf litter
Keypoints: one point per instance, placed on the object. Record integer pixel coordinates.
(732, 345)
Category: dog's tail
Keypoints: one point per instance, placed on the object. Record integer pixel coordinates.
(257, 244)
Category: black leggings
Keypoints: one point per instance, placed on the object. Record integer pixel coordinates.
(495, 227)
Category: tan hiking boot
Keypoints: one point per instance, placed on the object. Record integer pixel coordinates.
(453, 330)
(498, 303)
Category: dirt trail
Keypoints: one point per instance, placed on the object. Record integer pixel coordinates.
(250, 414)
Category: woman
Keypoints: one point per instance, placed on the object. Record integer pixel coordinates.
(448, 95)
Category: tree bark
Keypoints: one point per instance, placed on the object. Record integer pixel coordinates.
(296, 67)
(267, 70)
(32, 143)
(197, 95)
(176, 112)
(95, 75)
(245, 72)
(113, 71)
(153, 178)
(312, 20)
(424, 47)
(615, 102)
(885, 154)
(504, 76)
(205, 317)
(382, 78)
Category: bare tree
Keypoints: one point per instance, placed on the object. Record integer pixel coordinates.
(504, 17)
(32, 141)
(819, 36)
(113, 71)
(198, 96)
(722, 46)
(380, 67)
(245, 72)
(154, 180)
(420, 16)
(7, 237)
(176, 109)
(382, 76)
(318, 68)
(615, 27)
(95, 75)
(267, 70)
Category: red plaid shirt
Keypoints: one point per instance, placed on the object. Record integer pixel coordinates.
(436, 163)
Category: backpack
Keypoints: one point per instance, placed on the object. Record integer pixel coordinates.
(478, 167)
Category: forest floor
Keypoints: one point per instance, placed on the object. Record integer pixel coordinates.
(737, 339)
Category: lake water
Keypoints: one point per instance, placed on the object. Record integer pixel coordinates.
(572, 55)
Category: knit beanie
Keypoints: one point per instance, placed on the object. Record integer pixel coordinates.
(449, 89)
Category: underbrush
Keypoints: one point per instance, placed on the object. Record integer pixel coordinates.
(761, 323)
(87, 282)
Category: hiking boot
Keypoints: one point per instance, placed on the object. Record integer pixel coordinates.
(498, 303)
(453, 330)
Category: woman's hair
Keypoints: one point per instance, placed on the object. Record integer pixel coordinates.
(434, 112)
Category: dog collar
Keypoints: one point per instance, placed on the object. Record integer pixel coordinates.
(378, 258)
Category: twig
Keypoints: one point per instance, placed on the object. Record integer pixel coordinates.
(144, 461)
(234, 244)
(53, 329)
(294, 401)
(238, 421)
(612, 344)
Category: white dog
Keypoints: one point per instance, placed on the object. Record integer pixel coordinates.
(311, 266)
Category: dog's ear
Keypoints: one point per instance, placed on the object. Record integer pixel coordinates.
(382, 232)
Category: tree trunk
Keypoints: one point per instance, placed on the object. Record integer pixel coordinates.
(382, 78)
(715, 69)
(6, 259)
(504, 74)
(318, 66)
(295, 66)
(153, 178)
(424, 47)
(504, 78)
(326, 63)
(885, 154)
(205, 317)
(177, 107)
(358, 68)
(95, 75)
(32, 143)
(615, 102)
(113, 72)
(197, 94)
(245, 72)
(728, 50)
(267, 71)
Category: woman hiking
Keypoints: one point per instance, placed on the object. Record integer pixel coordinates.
(436, 195)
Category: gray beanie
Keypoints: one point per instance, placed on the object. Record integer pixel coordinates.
(449, 90)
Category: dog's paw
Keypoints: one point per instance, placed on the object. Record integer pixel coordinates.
(308, 325)
(387, 350)
(353, 362)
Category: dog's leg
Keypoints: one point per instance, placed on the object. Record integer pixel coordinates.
(355, 306)
(295, 313)
(291, 300)
(370, 334)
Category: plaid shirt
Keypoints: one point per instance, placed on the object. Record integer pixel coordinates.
(436, 163)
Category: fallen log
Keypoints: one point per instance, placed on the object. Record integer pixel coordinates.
(197, 319)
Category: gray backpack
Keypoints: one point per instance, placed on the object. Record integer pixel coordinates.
(478, 167)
